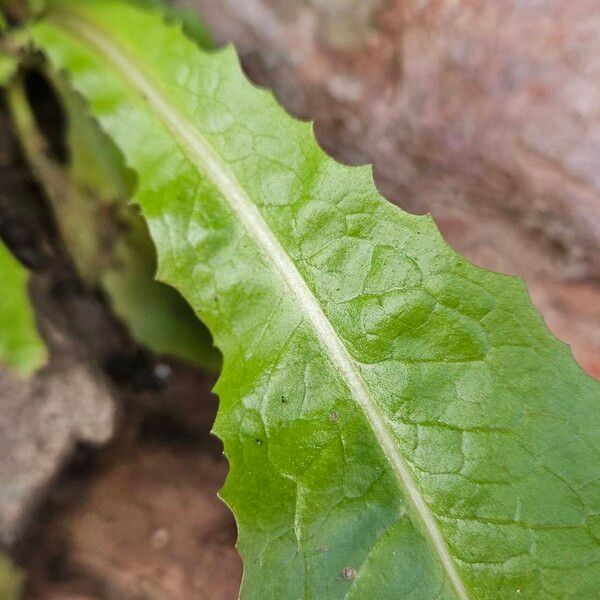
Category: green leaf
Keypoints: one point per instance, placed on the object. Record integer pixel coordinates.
(10, 580)
(20, 344)
(399, 424)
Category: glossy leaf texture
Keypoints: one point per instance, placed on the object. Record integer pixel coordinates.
(399, 423)
(20, 345)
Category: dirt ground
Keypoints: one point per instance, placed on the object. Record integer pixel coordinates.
(139, 519)
(417, 93)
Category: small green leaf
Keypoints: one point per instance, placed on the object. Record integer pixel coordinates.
(399, 423)
(20, 344)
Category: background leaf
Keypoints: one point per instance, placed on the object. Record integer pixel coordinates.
(20, 344)
(399, 423)
(124, 260)
(107, 239)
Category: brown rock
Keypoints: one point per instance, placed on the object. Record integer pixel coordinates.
(41, 422)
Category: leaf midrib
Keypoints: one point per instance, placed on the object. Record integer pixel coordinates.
(201, 153)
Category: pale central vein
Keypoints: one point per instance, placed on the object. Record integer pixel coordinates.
(208, 161)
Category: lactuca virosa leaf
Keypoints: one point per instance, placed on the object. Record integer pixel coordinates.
(399, 423)
(20, 345)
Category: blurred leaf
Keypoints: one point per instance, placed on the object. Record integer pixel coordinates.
(123, 258)
(8, 67)
(108, 239)
(20, 344)
(8, 63)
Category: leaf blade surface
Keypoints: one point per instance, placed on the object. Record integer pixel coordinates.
(396, 420)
